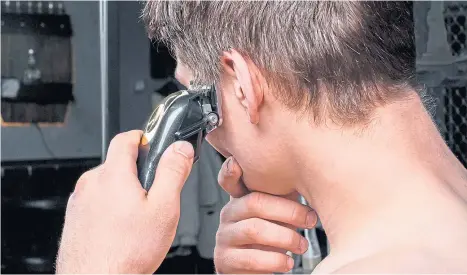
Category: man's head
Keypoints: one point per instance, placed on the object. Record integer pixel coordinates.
(276, 62)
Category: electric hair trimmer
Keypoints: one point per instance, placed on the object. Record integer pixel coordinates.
(185, 115)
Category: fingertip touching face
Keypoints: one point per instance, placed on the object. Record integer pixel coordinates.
(247, 131)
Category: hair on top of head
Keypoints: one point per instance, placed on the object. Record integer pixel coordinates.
(339, 59)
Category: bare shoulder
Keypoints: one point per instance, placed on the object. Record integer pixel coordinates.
(414, 261)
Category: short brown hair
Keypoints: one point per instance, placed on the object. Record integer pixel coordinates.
(349, 57)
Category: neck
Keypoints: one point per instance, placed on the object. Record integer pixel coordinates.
(362, 181)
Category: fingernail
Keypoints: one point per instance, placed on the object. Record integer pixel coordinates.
(303, 245)
(229, 166)
(311, 219)
(290, 263)
(185, 149)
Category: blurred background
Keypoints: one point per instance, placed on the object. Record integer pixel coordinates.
(75, 73)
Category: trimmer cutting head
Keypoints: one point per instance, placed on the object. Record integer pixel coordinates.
(185, 115)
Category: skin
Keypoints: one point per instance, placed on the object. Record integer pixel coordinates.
(129, 230)
(384, 190)
(113, 225)
(253, 239)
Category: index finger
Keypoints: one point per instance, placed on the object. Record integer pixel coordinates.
(123, 151)
(269, 207)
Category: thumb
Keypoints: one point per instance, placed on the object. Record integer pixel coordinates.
(172, 172)
(230, 179)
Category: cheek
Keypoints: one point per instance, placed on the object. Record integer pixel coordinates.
(230, 138)
(223, 138)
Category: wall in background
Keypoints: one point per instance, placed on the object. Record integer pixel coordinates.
(80, 137)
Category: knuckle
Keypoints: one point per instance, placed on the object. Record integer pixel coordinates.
(284, 266)
(293, 239)
(175, 167)
(118, 139)
(175, 162)
(255, 201)
(217, 254)
(277, 263)
(220, 178)
(87, 178)
(222, 263)
(176, 170)
(223, 180)
(294, 215)
(224, 214)
(298, 213)
(252, 229)
(123, 142)
(251, 263)
(220, 236)
(82, 180)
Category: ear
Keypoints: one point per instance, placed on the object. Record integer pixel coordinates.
(247, 87)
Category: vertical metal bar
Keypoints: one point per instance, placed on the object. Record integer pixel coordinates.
(450, 114)
(103, 25)
(113, 62)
